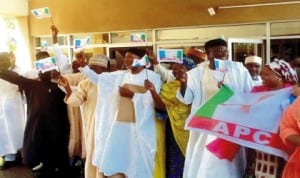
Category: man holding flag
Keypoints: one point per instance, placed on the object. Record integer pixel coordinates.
(125, 131)
(202, 83)
(45, 143)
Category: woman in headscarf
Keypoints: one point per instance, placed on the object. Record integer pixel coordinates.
(276, 75)
(176, 136)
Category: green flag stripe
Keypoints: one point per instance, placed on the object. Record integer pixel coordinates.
(46, 11)
(147, 59)
(179, 54)
(208, 109)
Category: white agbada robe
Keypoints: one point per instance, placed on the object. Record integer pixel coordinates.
(124, 147)
(202, 84)
(12, 118)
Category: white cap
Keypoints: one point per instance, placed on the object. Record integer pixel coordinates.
(253, 59)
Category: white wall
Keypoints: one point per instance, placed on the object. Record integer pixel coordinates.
(14, 7)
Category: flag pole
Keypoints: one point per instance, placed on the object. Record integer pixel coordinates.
(51, 19)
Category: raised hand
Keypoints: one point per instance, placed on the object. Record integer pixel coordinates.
(54, 31)
(59, 79)
(125, 92)
(296, 90)
(152, 57)
(149, 85)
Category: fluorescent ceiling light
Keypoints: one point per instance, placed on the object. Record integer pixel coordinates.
(259, 4)
(211, 11)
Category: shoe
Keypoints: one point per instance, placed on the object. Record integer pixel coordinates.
(38, 167)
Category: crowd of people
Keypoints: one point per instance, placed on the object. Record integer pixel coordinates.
(132, 122)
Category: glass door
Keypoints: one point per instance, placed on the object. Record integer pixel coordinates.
(240, 48)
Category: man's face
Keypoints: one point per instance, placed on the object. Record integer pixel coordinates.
(12, 60)
(179, 71)
(4, 62)
(113, 67)
(128, 59)
(219, 52)
(253, 68)
(98, 69)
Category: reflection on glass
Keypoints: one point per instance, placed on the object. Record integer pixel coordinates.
(287, 49)
(241, 50)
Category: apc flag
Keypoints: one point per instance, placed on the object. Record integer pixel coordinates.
(222, 67)
(41, 13)
(46, 64)
(248, 119)
(170, 55)
(138, 37)
(145, 61)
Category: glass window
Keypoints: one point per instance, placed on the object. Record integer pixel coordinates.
(287, 49)
(12, 40)
(285, 40)
(285, 28)
(203, 34)
(131, 36)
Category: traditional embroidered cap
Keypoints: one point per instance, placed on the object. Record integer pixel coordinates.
(253, 59)
(284, 70)
(196, 52)
(100, 60)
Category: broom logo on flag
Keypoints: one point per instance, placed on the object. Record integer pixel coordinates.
(41, 12)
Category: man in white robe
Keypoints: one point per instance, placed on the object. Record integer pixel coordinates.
(125, 148)
(12, 121)
(86, 97)
(202, 83)
(254, 64)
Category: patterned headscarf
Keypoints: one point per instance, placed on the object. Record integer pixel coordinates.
(284, 70)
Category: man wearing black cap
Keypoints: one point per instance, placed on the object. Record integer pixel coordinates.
(201, 84)
(125, 133)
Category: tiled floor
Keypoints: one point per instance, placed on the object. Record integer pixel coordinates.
(24, 172)
(16, 172)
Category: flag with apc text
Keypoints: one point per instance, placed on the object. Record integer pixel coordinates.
(248, 119)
